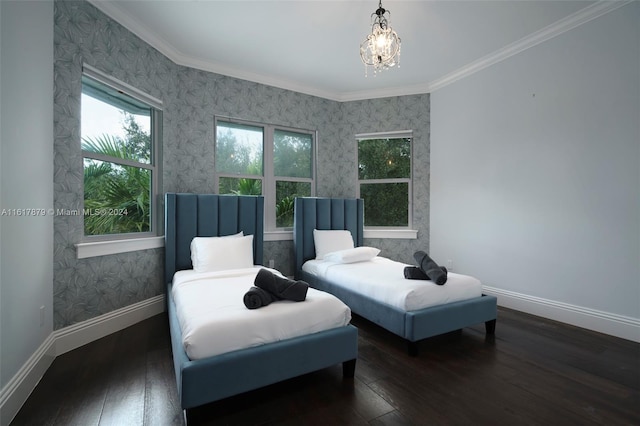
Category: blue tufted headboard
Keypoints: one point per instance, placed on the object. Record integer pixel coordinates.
(324, 213)
(208, 215)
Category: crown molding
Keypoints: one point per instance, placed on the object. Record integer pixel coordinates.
(384, 92)
(115, 12)
(218, 68)
(570, 22)
(593, 11)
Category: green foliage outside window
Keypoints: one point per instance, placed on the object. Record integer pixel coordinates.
(240, 152)
(240, 186)
(117, 198)
(384, 173)
(292, 154)
(286, 192)
(384, 158)
(292, 158)
(239, 149)
(385, 204)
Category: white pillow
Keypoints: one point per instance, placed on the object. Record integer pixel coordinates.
(358, 254)
(220, 253)
(199, 241)
(330, 241)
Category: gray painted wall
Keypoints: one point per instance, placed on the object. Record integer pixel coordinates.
(26, 167)
(85, 288)
(535, 177)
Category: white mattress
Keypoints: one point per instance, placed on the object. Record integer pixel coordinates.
(214, 319)
(383, 279)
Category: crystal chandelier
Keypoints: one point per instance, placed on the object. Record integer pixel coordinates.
(381, 49)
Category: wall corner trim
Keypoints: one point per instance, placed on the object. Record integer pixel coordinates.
(18, 389)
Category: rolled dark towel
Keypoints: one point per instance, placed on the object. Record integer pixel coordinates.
(257, 298)
(281, 287)
(430, 268)
(415, 273)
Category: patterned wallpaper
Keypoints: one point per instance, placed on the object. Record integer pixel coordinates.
(390, 114)
(86, 288)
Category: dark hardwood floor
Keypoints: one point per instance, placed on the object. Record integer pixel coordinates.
(532, 372)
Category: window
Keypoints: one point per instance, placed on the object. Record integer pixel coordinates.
(259, 159)
(119, 133)
(239, 158)
(384, 178)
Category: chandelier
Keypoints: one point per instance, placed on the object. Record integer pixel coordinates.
(381, 49)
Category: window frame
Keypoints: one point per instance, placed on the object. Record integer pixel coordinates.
(383, 231)
(96, 245)
(268, 177)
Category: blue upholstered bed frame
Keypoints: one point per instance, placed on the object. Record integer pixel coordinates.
(340, 213)
(221, 376)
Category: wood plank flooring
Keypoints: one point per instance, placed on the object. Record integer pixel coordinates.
(532, 372)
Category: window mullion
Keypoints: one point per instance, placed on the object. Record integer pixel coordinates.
(240, 176)
(393, 180)
(269, 184)
(121, 161)
(292, 179)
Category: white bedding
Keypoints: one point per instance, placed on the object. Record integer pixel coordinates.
(383, 279)
(214, 319)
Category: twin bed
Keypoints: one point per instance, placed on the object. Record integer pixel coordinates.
(210, 367)
(213, 249)
(374, 287)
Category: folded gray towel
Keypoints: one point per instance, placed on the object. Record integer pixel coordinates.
(415, 273)
(281, 287)
(430, 268)
(257, 298)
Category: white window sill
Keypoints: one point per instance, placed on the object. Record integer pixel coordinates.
(404, 234)
(278, 236)
(102, 248)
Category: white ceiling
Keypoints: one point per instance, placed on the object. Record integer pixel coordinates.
(313, 46)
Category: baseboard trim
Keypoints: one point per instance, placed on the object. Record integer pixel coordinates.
(74, 336)
(15, 393)
(603, 322)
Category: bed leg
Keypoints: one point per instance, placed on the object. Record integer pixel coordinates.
(490, 326)
(412, 348)
(349, 368)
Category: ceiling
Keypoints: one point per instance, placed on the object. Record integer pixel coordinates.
(312, 46)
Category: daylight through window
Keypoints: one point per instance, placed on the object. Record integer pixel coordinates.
(119, 135)
(260, 159)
